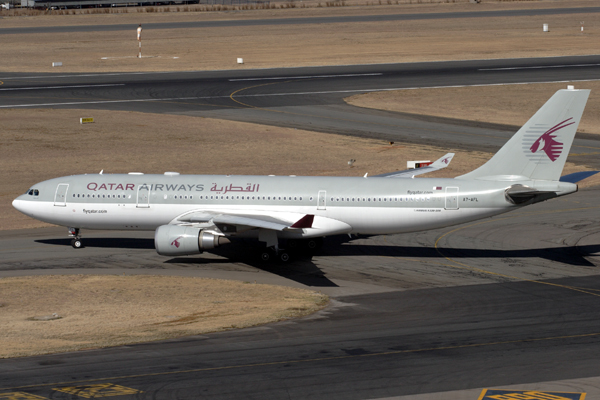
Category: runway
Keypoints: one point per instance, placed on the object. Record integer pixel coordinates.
(303, 20)
(510, 301)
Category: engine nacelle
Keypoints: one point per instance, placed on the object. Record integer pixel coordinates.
(176, 240)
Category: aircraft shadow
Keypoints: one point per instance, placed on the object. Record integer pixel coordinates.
(571, 255)
(301, 269)
(247, 253)
(106, 243)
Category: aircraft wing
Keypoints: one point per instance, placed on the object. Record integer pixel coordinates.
(285, 221)
(255, 221)
(233, 222)
(411, 173)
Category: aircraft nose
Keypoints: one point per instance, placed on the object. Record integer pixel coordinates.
(19, 204)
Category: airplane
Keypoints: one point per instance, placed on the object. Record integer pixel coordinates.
(193, 213)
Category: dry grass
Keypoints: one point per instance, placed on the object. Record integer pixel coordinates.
(503, 104)
(298, 45)
(102, 311)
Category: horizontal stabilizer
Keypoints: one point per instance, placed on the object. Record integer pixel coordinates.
(440, 163)
(577, 176)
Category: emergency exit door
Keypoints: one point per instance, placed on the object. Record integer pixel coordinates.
(322, 200)
(143, 197)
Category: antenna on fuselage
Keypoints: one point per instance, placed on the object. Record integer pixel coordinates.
(101, 172)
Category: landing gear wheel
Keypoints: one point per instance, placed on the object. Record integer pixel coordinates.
(265, 256)
(314, 244)
(284, 257)
(76, 243)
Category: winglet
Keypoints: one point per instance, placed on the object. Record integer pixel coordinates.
(304, 222)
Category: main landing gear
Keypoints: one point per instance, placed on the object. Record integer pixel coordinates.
(76, 241)
(295, 248)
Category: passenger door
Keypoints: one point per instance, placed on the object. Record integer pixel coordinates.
(60, 197)
(451, 198)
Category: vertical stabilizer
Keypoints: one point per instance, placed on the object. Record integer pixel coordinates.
(539, 149)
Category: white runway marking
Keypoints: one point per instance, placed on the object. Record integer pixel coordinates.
(538, 67)
(119, 58)
(276, 94)
(63, 87)
(304, 77)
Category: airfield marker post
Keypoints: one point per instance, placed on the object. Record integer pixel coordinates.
(139, 38)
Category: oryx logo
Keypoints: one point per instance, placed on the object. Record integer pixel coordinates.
(446, 160)
(176, 242)
(546, 142)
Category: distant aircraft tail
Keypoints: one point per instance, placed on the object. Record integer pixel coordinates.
(539, 149)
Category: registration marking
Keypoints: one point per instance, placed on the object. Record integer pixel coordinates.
(503, 394)
(99, 390)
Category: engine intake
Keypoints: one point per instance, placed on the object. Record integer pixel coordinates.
(176, 240)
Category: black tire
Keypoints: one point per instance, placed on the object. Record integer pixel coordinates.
(314, 244)
(265, 256)
(284, 256)
(76, 243)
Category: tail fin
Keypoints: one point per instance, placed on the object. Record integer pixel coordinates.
(539, 149)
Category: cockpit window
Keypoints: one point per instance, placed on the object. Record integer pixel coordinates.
(30, 192)
(33, 192)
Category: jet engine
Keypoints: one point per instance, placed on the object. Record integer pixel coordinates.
(176, 240)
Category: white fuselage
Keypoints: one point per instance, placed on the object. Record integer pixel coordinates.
(340, 204)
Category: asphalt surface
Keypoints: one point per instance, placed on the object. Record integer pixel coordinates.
(511, 301)
(302, 20)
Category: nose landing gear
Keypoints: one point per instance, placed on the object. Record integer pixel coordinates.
(76, 241)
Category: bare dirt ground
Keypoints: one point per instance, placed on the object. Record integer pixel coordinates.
(297, 45)
(41, 144)
(66, 313)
